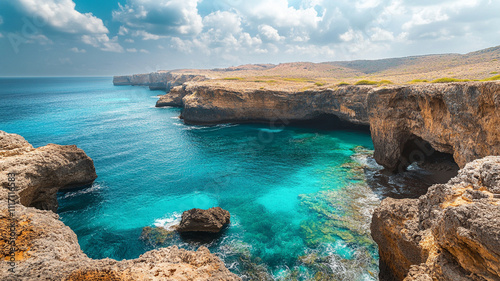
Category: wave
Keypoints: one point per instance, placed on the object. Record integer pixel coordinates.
(169, 221)
(93, 188)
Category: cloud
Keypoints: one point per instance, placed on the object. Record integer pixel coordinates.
(270, 33)
(61, 15)
(103, 42)
(132, 50)
(144, 51)
(76, 50)
(146, 35)
(123, 30)
(161, 17)
(129, 40)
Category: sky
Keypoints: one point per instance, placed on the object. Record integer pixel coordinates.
(117, 37)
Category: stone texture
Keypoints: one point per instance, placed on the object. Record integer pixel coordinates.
(450, 233)
(173, 98)
(41, 172)
(161, 80)
(199, 220)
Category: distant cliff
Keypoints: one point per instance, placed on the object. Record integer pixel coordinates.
(407, 123)
(161, 80)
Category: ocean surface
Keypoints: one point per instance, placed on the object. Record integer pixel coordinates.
(299, 203)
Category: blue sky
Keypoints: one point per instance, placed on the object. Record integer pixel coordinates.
(108, 37)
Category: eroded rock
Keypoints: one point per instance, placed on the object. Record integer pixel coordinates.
(450, 233)
(199, 220)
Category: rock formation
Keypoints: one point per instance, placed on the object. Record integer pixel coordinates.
(199, 220)
(46, 249)
(407, 123)
(161, 80)
(451, 233)
(41, 172)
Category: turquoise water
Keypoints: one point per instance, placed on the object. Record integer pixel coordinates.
(297, 209)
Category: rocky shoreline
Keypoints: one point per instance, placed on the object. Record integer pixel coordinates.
(46, 249)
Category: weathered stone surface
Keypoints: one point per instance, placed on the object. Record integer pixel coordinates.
(199, 220)
(173, 98)
(41, 172)
(161, 80)
(450, 233)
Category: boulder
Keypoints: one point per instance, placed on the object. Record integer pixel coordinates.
(199, 220)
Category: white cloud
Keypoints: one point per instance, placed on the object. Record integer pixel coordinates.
(146, 35)
(162, 17)
(123, 30)
(76, 50)
(226, 22)
(103, 42)
(39, 39)
(129, 40)
(379, 34)
(132, 50)
(61, 15)
(270, 33)
(144, 51)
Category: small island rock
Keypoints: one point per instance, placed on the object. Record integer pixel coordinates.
(211, 220)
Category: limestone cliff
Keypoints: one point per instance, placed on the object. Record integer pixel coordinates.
(160, 80)
(41, 172)
(46, 249)
(407, 123)
(451, 233)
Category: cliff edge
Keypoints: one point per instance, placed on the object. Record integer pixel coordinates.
(450, 233)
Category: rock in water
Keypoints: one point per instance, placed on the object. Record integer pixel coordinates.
(41, 172)
(450, 233)
(199, 220)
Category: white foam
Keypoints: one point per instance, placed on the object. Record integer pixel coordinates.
(93, 188)
(169, 221)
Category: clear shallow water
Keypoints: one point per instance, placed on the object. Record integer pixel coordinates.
(299, 207)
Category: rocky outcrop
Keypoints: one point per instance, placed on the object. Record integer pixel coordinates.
(451, 233)
(160, 80)
(36, 245)
(49, 250)
(41, 172)
(199, 220)
(407, 123)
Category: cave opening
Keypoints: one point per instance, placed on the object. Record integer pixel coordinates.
(330, 122)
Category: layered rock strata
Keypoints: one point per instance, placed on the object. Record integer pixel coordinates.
(41, 172)
(36, 245)
(450, 233)
(407, 123)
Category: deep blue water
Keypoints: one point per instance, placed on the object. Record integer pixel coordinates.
(298, 209)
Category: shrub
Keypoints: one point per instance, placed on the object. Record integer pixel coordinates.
(297, 79)
(343, 84)
(448, 80)
(496, 77)
(385, 82)
(494, 72)
(418, 81)
(319, 84)
(366, 82)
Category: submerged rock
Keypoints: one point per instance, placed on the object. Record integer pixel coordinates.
(41, 172)
(199, 220)
(156, 236)
(450, 233)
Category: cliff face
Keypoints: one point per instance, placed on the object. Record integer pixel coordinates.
(46, 249)
(161, 80)
(407, 123)
(451, 233)
(41, 172)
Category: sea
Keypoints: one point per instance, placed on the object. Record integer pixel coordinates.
(298, 197)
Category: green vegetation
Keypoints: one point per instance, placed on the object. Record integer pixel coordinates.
(265, 81)
(343, 84)
(448, 80)
(494, 72)
(418, 81)
(496, 77)
(319, 84)
(366, 82)
(233, 78)
(369, 82)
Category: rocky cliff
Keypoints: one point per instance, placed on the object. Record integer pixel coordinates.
(450, 233)
(41, 247)
(407, 123)
(160, 80)
(41, 172)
